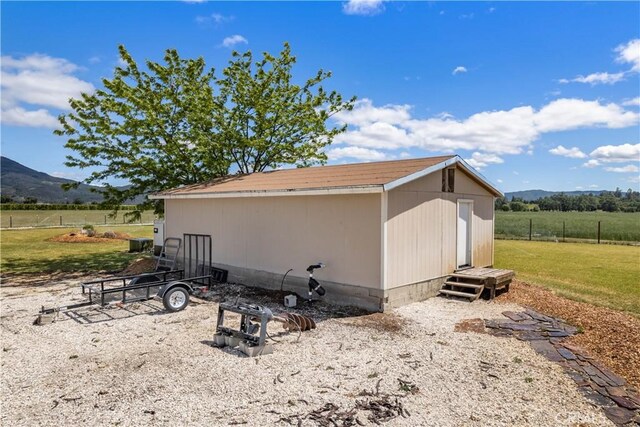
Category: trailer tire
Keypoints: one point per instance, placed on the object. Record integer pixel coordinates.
(176, 299)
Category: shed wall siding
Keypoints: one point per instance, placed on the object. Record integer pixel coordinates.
(274, 234)
(421, 228)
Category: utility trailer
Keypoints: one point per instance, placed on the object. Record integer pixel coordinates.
(170, 286)
(173, 286)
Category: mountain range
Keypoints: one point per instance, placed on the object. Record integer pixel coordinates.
(19, 181)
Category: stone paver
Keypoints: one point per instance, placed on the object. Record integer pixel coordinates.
(620, 403)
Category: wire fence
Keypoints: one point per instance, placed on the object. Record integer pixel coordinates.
(569, 230)
(67, 218)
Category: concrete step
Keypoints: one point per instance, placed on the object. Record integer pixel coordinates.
(464, 285)
(459, 294)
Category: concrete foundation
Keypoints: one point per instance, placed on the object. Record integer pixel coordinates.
(403, 295)
(338, 293)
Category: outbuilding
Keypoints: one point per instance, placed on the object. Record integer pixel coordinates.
(390, 232)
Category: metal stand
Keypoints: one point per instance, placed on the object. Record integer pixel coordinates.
(247, 328)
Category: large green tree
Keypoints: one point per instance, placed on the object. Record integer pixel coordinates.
(177, 123)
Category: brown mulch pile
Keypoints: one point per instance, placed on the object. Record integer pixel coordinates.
(82, 238)
(139, 266)
(610, 336)
(381, 322)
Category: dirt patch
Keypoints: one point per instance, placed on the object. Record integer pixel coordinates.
(611, 336)
(470, 325)
(139, 266)
(381, 322)
(83, 238)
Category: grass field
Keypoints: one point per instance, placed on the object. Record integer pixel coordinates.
(29, 252)
(616, 226)
(605, 275)
(34, 218)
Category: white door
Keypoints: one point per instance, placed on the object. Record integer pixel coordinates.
(465, 215)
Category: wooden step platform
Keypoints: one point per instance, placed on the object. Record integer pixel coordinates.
(471, 282)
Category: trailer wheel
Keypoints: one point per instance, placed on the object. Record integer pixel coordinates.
(176, 299)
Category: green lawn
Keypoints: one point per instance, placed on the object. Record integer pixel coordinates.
(28, 252)
(616, 226)
(33, 218)
(606, 275)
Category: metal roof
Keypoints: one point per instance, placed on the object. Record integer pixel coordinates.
(348, 178)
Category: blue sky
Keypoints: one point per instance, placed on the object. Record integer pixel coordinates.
(536, 95)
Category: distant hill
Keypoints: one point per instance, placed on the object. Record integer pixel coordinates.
(19, 181)
(529, 195)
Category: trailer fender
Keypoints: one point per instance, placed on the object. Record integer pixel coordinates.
(176, 284)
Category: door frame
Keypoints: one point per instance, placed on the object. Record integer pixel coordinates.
(469, 231)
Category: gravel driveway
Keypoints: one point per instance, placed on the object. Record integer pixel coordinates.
(140, 366)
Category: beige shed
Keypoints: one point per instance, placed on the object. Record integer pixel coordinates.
(390, 233)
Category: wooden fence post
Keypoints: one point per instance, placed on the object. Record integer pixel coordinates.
(530, 227)
(105, 220)
(60, 220)
(10, 221)
(563, 231)
(598, 232)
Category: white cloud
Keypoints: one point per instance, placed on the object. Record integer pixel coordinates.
(214, 18)
(594, 186)
(566, 114)
(363, 7)
(365, 113)
(359, 153)
(233, 40)
(38, 80)
(630, 54)
(95, 60)
(38, 62)
(459, 69)
(499, 181)
(591, 164)
(632, 102)
(194, 1)
(18, 116)
(623, 169)
(597, 78)
(573, 152)
(482, 160)
(499, 132)
(617, 153)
